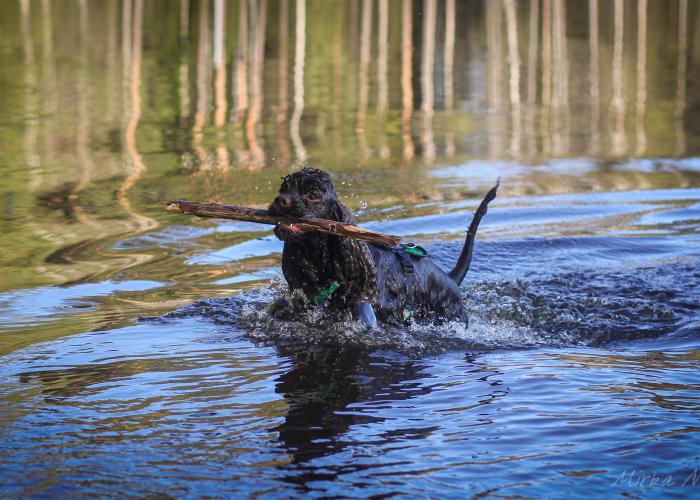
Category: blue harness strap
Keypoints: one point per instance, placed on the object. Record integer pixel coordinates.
(406, 253)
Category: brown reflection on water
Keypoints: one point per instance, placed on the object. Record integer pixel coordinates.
(594, 62)
(203, 70)
(560, 94)
(514, 80)
(258, 14)
(299, 59)
(372, 58)
(83, 129)
(496, 123)
(222, 156)
(427, 78)
(281, 117)
(31, 131)
(382, 61)
(682, 76)
(184, 68)
(532, 65)
(641, 137)
(135, 164)
(618, 103)
(409, 149)
(49, 91)
(365, 49)
(450, 22)
(545, 123)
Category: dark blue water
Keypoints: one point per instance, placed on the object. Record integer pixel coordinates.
(137, 358)
(578, 373)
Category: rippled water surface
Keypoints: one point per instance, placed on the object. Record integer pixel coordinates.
(136, 354)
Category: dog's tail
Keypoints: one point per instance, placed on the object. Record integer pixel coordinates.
(465, 258)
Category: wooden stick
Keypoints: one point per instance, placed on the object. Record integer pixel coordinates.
(232, 212)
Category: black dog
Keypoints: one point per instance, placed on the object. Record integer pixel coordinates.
(373, 282)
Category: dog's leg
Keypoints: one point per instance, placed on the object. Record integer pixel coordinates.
(362, 311)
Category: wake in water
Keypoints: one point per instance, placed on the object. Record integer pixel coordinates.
(595, 308)
(578, 308)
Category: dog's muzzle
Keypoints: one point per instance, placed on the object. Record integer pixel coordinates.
(287, 206)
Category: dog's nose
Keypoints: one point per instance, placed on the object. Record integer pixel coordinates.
(284, 200)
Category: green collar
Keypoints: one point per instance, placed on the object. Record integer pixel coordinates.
(323, 295)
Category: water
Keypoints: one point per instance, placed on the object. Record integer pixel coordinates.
(136, 356)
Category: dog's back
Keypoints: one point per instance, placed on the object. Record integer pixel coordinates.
(422, 290)
(426, 293)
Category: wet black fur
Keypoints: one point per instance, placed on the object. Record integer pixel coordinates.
(365, 272)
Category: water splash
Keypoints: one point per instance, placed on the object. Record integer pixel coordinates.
(595, 308)
(577, 308)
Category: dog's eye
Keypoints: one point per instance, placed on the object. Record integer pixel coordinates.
(312, 196)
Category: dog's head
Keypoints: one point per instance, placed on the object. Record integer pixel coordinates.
(315, 260)
(306, 194)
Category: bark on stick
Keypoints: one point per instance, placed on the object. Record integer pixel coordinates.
(232, 212)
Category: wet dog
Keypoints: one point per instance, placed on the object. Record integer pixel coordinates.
(375, 283)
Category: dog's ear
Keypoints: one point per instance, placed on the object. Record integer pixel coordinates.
(339, 212)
